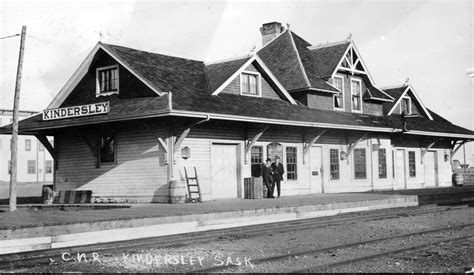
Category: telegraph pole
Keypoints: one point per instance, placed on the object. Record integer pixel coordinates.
(16, 103)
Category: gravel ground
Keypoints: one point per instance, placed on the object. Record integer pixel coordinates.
(240, 248)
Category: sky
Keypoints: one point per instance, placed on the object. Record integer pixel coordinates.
(429, 42)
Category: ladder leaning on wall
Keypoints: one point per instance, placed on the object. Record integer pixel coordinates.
(193, 187)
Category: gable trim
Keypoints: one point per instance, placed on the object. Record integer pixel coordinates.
(265, 69)
(81, 71)
(409, 87)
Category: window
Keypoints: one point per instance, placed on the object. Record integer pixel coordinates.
(412, 164)
(291, 163)
(40, 146)
(334, 163)
(382, 163)
(31, 167)
(339, 97)
(360, 164)
(107, 149)
(107, 80)
(256, 160)
(356, 91)
(48, 166)
(406, 105)
(250, 84)
(27, 144)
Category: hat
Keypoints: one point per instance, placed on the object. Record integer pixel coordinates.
(269, 159)
(277, 157)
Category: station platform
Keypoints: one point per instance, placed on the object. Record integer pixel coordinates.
(38, 227)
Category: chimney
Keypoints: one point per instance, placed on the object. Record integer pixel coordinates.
(270, 31)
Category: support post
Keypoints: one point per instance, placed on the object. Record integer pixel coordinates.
(14, 145)
(455, 149)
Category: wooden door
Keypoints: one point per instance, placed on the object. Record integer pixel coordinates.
(430, 168)
(316, 182)
(400, 176)
(224, 176)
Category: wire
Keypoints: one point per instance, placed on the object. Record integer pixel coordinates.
(10, 36)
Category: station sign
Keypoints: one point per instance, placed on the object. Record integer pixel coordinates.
(76, 111)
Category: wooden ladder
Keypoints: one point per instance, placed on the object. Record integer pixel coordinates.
(193, 186)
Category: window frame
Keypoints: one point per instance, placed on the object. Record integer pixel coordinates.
(101, 162)
(252, 158)
(33, 171)
(365, 163)
(412, 164)
(27, 145)
(341, 93)
(409, 105)
(352, 79)
(258, 86)
(47, 166)
(107, 93)
(288, 163)
(331, 165)
(385, 163)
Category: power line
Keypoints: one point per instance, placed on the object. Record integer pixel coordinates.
(5, 37)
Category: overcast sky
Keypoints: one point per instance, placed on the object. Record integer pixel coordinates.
(431, 42)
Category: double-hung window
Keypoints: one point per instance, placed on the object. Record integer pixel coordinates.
(107, 148)
(360, 164)
(107, 80)
(291, 163)
(250, 84)
(356, 95)
(382, 163)
(406, 105)
(339, 97)
(334, 163)
(31, 166)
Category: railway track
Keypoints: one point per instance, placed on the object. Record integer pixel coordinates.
(44, 257)
(333, 264)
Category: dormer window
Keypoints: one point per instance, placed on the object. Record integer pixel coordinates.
(338, 83)
(356, 95)
(250, 84)
(107, 79)
(405, 106)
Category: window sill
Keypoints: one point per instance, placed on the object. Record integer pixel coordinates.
(107, 93)
(339, 109)
(259, 95)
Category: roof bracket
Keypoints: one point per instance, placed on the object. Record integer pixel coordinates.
(350, 147)
(163, 143)
(308, 146)
(185, 133)
(424, 150)
(251, 143)
(44, 140)
(454, 149)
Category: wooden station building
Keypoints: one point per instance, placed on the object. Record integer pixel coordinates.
(129, 121)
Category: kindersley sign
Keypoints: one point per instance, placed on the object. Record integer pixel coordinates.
(76, 111)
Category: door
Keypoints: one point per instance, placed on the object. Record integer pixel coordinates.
(400, 177)
(224, 171)
(430, 166)
(316, 182)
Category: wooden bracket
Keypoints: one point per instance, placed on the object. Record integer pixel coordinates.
(163, 143)
(455, 149)
(424, 150)
(44, 140)
(183, 135)
(308, 146)
(251, 143)
(350, 147)
(93, 148)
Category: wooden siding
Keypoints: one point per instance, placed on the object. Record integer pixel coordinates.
(140, 174)
(267, 90)
(129, 85)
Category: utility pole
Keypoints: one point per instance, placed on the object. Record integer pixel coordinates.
(16, 103)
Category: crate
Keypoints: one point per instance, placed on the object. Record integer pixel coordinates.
(253, 188)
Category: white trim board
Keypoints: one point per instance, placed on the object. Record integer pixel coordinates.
(410, 88)
(84, 67)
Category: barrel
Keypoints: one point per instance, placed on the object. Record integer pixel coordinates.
(47, 194)
(458, 179)
(177, 191)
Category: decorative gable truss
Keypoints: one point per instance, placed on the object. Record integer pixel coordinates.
(83, 69)
(417, 99)
(256, 60)
(351, 62)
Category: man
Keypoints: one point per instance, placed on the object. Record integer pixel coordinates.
(278, 172)
(267, 175)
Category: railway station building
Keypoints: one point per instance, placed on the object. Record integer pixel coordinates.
(129, 121)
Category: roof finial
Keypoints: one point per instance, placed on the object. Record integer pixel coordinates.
(349, 37)
(252, 50)
(287, 26)
(407, 80)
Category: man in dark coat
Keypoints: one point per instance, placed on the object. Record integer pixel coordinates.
(278, 172)
(267, 175)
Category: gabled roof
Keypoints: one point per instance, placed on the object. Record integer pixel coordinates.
(327, 57)
(397, 93)
(219, 72)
